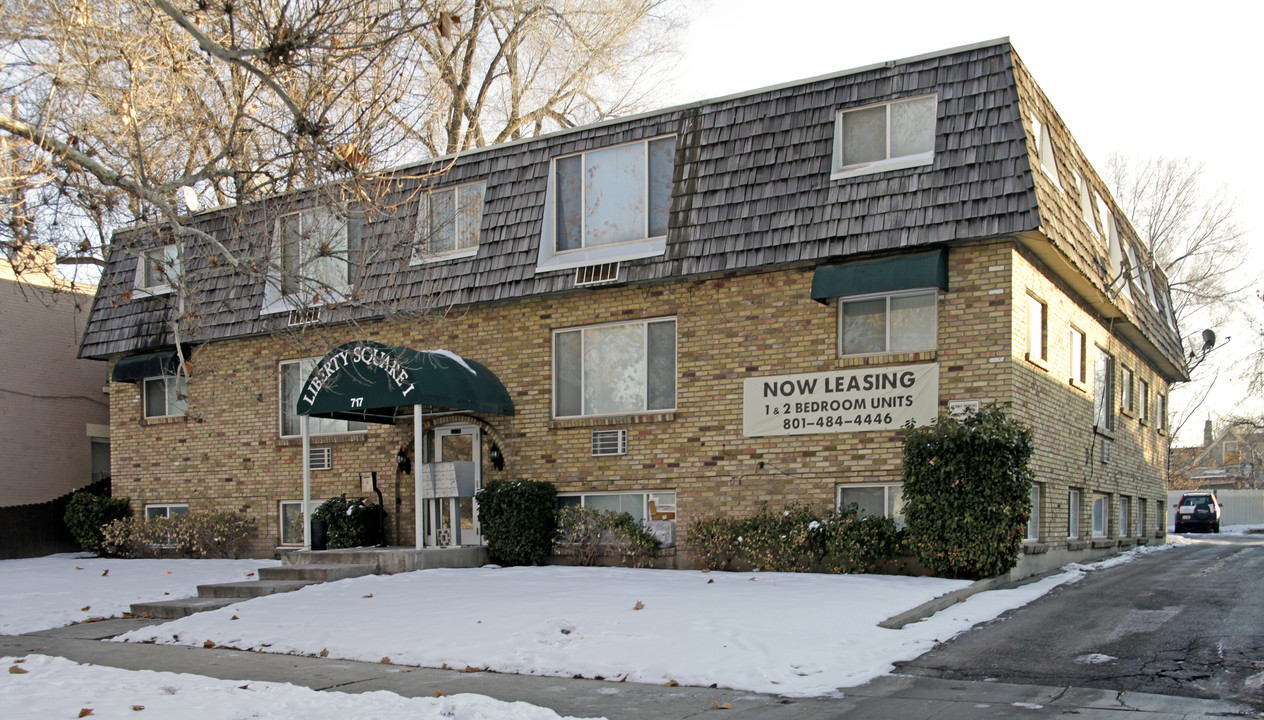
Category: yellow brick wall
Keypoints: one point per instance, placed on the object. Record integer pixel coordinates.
(228, 455)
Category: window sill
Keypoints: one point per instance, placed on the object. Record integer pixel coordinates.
(1035, 547)
(887, 358)
(1108, 433)
(1038, 362)
(878, 166)
(432, 259)
(357, 437)
(1127, 413)
(168, 420)
(1076, 544)
(286, 303)
(1102, 543)
(1078, 385)
(667, 416)
(550, 260)
(143, 292)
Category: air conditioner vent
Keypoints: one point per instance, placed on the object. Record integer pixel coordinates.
(609, 442)
(320, 458)
(305, 316)
(597, 274)
(1105, 450)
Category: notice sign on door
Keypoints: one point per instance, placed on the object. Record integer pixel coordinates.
(843, 401)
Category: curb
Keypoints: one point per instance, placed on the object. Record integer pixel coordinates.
(926, 609)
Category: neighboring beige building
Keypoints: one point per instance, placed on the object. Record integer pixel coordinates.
(54, 411)
(691, 312)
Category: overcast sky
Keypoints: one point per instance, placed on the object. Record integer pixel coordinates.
(1152, 78)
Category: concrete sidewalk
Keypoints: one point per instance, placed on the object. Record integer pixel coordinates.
(906, 698)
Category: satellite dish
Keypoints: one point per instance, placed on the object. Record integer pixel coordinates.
(1209, 339)
(191, 200)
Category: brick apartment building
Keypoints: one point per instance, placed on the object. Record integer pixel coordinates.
(680, 314)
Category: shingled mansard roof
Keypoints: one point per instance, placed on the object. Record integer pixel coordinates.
(751, 189)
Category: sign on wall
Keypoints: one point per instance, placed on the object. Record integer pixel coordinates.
(843, 401)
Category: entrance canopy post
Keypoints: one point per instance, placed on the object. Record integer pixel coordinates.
(419, 462)
(304, 423)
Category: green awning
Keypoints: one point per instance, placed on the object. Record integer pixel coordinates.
(138, 367)
(370, 382)
(896, 272)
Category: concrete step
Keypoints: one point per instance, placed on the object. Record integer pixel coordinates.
(171, 609)
(316, 572)
(251, 588)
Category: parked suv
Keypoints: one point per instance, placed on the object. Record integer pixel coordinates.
(1198, 511)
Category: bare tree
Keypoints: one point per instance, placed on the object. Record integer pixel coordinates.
(126, 111)
(1191, 230)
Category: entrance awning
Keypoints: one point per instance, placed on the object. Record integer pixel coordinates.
(138, 367)
(888, 274)
(371, 382)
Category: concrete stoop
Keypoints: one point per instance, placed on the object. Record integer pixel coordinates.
(301, 568)
(271, 580)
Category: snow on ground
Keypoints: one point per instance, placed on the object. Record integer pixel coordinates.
(49, 592)
(789, 634)
(39, 686)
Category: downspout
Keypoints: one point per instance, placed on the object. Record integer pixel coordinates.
(307, 482)
(419, 462)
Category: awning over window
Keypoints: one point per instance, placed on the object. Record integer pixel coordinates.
(138, 367)
(371, 382)
(888, 274)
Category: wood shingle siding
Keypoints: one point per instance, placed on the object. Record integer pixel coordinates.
(751, 189)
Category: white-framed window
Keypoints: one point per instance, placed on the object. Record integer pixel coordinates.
(1037, 330)
(291, 520)
(1101, 515)
(1044, 148)
(1103, 390)
(1033, 520)
(881, 499)
(1143, 400)
(642, 506)
(1073, 513)
(1160, 412)
(162, 510)
(1103, 216)
(293, 373)
(1079, 356)
(1125, 516)
(158, 270)
(449, 221)
(316, 257)
(613, 195)
(1086, 204)
(896, 322)
(165, 396)
(887, 136)
(615, 369)
(1126, 383)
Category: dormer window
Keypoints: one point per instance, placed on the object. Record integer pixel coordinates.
(608, 205)
(448, 222)
(888, 136)
(1044, 148)
(316, 258)
(158, 270)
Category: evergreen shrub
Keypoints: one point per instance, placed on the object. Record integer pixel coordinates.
(349, 523)
(967, 493)
(519, 519)
(88, 514)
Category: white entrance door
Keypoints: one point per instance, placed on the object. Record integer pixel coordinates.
(455, 521)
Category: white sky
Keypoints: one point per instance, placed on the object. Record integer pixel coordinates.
(1154, 78)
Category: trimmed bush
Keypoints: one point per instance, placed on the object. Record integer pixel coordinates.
(193, 535)
(796, 539)
(350, 523)
(519, 518)
(88, 514)
(587, 534)
(967, 493)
